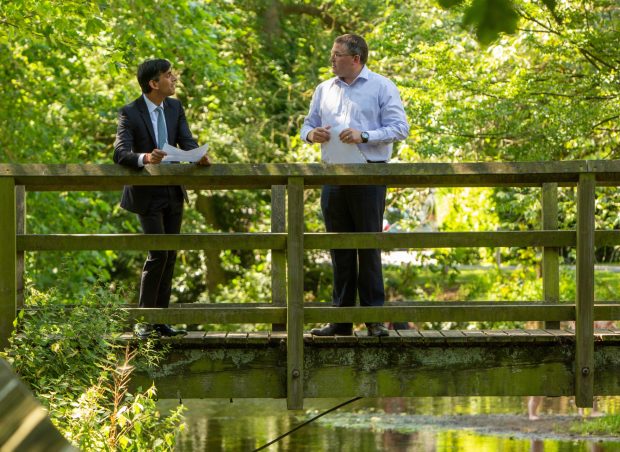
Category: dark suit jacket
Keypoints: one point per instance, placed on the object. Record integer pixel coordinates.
(135, 135)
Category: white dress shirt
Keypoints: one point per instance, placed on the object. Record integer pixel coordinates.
(153, 114)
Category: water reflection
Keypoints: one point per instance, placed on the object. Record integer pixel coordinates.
(390, 424)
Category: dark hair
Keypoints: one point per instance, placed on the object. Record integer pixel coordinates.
(151, 70)
(355, 45)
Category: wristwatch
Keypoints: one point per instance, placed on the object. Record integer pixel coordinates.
(365, 137)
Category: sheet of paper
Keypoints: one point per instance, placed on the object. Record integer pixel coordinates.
(335, 151)
(174, 154)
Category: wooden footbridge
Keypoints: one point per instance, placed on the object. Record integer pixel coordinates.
(295, 365)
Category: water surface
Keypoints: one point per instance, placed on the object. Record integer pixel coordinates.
(389, 424)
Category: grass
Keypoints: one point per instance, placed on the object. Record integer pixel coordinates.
(606, 425)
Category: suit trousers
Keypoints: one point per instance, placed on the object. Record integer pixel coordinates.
(164, 216)
(355, 208)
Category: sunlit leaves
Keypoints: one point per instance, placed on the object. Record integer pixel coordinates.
(490, 18)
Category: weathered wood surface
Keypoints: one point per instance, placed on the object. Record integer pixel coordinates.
(406, 364)
(20, 212)
(551, 254)
(24, 425)
(584, 313)
(278, 257)
(436, 311)
(113, 177)
(210, 241)
(277, 240)
(381, 240)
(295, 311)
(8, 255)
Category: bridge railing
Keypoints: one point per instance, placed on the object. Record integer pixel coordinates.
(288, 241)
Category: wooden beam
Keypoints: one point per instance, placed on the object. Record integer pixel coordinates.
(464, 312)
(584, 329)
(607, 238)
(210, 314)
(551, 255)
(295, 318)
(438, 312)
(123, 242)
(277, 241)
(419, 240)
(8, 258)
(607, 311)
(226, 176)
(278, 257)
(20, 211)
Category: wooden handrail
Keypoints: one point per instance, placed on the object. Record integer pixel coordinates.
(290, 244)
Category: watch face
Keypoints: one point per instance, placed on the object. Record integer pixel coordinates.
(364, 137)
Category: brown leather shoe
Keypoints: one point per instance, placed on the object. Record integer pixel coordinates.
(377, 330)
(333, 329)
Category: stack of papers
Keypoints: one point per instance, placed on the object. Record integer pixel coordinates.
(335, 151)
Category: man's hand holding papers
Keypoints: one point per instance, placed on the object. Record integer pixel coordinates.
(198, 155)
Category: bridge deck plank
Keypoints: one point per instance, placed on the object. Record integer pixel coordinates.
(232, 339)
(409, 333)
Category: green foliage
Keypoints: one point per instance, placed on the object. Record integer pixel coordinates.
(132, 422)
(547, 91)
(68, 358)
(490, 18)
(254, 285)
(606, 425)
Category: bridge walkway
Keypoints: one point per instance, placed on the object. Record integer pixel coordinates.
(407, 363)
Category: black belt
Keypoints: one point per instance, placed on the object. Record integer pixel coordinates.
(377, 161)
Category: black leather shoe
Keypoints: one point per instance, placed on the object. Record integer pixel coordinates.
(377, 330)
(333, 329)
(168, 331)
(145, 331)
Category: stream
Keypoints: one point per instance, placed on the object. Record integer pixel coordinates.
(390, 424)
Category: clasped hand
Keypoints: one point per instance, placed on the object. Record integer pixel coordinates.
(322, 135)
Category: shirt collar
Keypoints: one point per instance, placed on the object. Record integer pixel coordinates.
(150, 105)
(364, 75)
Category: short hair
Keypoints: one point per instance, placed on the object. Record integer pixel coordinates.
(151, 70)
(355, 45)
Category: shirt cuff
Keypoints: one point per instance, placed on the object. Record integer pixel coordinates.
(141, 160)
(373, 135)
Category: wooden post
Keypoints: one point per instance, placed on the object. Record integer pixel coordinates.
(584, 328)
(278, 257)
(20, 202)
(8, 254)
(550, 260)
(295, 311)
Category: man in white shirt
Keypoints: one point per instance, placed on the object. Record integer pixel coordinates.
(362, 109)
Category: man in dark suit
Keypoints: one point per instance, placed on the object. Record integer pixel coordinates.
(144, 126)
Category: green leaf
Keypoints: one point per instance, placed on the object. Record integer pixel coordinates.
(490, 18)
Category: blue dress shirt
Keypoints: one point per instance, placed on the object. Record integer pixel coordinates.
(371, 103)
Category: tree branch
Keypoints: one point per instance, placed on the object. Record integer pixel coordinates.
(611, 118)
(327, 19)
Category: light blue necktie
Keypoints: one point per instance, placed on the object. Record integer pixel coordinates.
(161, 128)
